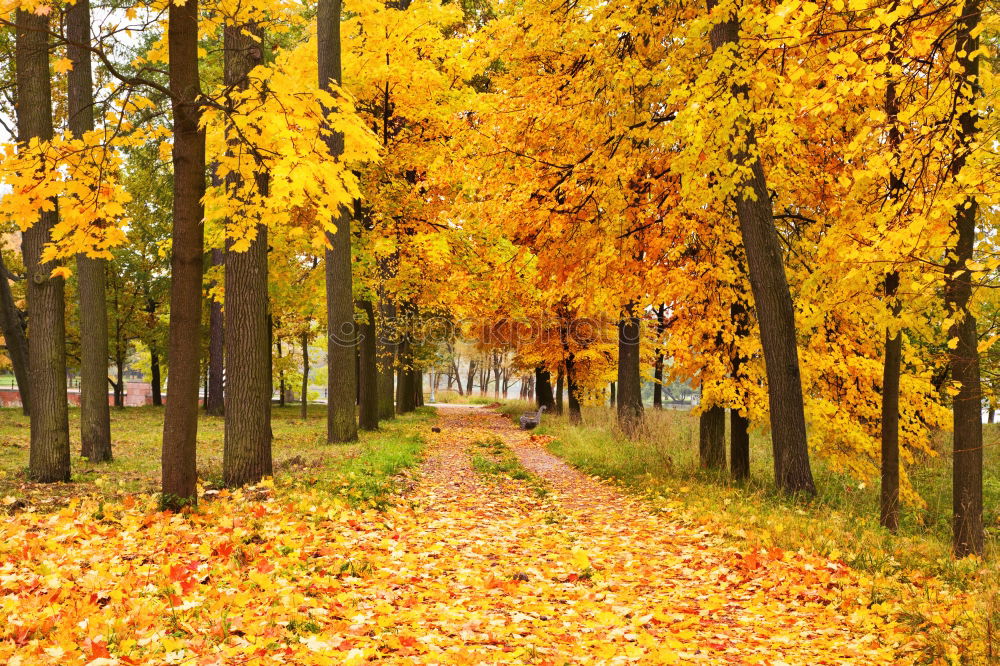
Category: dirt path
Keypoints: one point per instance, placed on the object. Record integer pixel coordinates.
(585, 573)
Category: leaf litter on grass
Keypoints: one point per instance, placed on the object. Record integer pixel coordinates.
(464, 568)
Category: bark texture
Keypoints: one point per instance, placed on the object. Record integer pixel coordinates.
(712, 438)
(572, 391)
(341, 423)
(559, 389)
(246, 457)
(49, 456)
(95, 414)
(543, 392)
(739, 445)
(773, 300)
(967, 472)
(629, 389)
(180, 426)
(739, 431)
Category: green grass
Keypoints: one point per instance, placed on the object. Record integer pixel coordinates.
(493, 458)
(840, 522)
(362, 471)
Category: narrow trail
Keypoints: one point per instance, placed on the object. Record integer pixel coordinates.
(584, 573)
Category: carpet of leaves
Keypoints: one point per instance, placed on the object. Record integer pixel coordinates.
(464, 568)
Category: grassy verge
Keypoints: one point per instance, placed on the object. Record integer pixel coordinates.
(492, 458)
(362, 471)
(841, 522)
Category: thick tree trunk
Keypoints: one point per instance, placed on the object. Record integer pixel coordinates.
(215, 399)
(712, 438)
(341, 423)
(95, 415)
(543, 395)
(739, 445)
(16, 342)
(775, 312)
(368, 408)
(572, 391)
(304, 407)
(49, 455)
(629, 389)
(180, 426)
(406, 379)
(246, 457)
(967, 480)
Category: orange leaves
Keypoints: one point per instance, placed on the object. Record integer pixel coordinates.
(468, 568)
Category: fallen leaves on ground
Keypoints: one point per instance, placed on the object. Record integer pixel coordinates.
(465, 568)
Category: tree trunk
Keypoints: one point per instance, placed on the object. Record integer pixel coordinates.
(215, 398)
(418, 388)
(739, 435)
(120, 376)
(95, 415)
(341, 423)
(739, 445)
(458, 379)
(496, 376)
(889, 495)
(368, 377)
(629, 389)
(180, 425)
(559, 389)
(304, 407)
(246, 457)
(154, 369)
(575, 417)
(712, 438)
(17, 343)
(775, 312)
(470, 376)
(967, 482)
(661, 313)
(992, 413)
(613, 398)
(406, 380)
(543, 394)
(281, 378)
(49, 455)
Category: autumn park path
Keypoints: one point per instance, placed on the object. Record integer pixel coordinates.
(478, 560)
(580, 571)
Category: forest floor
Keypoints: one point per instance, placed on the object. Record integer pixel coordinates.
(495, 551)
